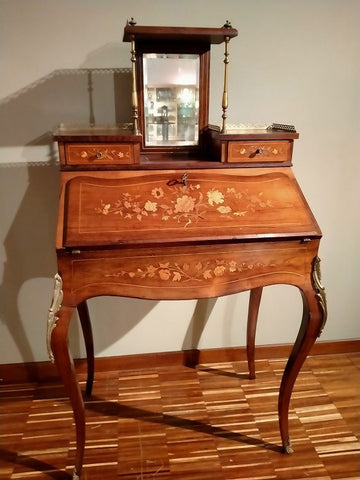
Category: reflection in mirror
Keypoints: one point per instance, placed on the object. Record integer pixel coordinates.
(171, 97)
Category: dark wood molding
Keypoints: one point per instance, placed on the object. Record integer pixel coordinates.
(46, 371)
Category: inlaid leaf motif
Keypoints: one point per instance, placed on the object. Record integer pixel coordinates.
(224, 209)
(207, 274)
(176, 277)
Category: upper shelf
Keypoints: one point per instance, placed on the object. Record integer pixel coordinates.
(178, 34)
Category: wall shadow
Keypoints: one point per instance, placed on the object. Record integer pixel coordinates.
(84, 96)
(202, 312)
(31, 179)
(28, 246)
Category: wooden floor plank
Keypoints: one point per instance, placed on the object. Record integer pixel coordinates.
(205, 423)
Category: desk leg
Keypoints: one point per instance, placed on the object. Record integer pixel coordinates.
(313, 321)
(84, 316)
(65, 365)
(254, 304)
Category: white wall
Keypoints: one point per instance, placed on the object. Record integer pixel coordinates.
(293, 62)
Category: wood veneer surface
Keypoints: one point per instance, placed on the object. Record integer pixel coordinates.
(211, 422)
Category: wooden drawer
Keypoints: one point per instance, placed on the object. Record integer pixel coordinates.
(100, 154)
(259, 151)
(185, 272)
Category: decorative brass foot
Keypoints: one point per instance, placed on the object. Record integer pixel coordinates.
(52, 318)
(320, 290)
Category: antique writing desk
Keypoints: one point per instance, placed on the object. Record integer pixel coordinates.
(174, 208)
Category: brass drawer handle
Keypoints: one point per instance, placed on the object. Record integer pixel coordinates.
(99, 155)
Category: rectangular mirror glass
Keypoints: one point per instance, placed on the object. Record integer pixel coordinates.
(171, 99)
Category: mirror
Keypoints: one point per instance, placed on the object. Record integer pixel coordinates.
(171, 99)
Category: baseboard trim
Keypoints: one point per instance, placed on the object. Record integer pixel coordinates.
(45, 371)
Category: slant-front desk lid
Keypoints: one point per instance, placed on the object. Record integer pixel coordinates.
(181, 207)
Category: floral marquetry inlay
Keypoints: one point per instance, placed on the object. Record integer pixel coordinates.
(133, 209)
(99, 154)
(185, 204)
(182, 272)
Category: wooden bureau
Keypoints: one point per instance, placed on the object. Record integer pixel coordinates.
(187, 222)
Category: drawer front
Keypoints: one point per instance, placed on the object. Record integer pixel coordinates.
(279, 151)
(185, 272)
(100, 154)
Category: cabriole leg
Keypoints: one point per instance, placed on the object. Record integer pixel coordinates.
(65, 365)
(313, 321)
(57, 340)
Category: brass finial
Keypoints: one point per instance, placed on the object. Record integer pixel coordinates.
(131, 21)
(227, 24)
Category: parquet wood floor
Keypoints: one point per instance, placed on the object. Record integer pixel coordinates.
(208, 423)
